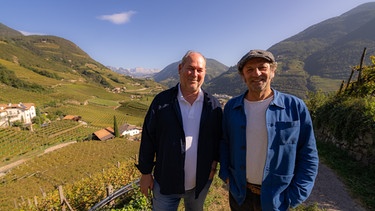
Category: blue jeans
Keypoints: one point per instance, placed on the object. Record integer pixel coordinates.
(161, 202)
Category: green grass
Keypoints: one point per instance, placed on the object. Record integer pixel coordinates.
(326, 84)
(356, 176)
(104, 102)
(99, 115)
(28, 75)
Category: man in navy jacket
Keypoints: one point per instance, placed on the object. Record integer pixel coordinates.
(180, 140)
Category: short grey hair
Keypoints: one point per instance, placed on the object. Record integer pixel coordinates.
(187, 54)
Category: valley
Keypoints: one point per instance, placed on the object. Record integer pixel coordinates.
(60, 79)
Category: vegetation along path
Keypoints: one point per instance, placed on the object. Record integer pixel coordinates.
(331, 194)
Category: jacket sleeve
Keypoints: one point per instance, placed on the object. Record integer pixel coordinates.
(224, 151)
(147, 147)
(307, 161)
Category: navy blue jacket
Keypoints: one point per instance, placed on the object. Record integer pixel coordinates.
(163, 138)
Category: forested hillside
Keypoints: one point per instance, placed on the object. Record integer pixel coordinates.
(318, 58)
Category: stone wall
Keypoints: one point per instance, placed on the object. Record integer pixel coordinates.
(361, 149)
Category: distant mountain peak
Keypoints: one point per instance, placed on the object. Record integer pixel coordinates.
(137, 72)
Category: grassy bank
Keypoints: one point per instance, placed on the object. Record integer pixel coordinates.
(358, 178)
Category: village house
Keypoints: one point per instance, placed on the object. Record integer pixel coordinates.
(127, 129)
(23, 112)
(104, 134)
(72, 117)
(109, 133)
(3, 117)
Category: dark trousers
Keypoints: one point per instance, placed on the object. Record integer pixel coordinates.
(251, 203)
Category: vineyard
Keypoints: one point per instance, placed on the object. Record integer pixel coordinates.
(97, 115)
(69, 166)
(23, 143)
(84, 169)
(39, 164)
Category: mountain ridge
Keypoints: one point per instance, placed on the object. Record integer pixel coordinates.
(137, 72)
(318, 58)
(48, 70)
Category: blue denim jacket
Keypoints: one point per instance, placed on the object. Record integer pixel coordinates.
(292, 158)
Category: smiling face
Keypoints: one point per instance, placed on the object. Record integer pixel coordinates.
(258, 74)
(192, 72)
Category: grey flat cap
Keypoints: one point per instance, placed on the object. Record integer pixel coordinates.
(255, 54)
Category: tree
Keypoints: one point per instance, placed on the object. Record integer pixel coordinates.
(115, 127)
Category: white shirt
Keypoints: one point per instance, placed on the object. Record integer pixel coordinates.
(191, 115)
(256, 139)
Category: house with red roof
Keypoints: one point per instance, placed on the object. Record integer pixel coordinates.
(104, 134)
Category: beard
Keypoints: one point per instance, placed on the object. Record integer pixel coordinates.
(257, 86)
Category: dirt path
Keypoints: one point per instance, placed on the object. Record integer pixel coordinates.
(4, 169)
(331, 194)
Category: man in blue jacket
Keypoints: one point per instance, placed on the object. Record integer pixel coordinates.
(268, 154)
(181, 140)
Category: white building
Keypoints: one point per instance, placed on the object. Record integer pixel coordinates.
(23, 112)
(3, 117)
(127, 129)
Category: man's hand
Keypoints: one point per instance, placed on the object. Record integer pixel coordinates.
(146, 184)
(213, 170)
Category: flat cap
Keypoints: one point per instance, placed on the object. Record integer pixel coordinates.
(255, 54)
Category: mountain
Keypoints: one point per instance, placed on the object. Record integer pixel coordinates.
(52, 57)
(318, 58)
(169, 75)
(47, 70)
(5, 31)
(138, 72)
(329, 48)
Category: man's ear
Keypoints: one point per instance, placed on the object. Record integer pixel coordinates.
(179, 68)
(273, 72)
(243, 78)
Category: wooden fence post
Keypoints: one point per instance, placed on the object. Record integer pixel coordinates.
(63, 201)
(15, 204)
(360, 80)
(109, 192)
(36, 201)
(61, 194)
(43, 193)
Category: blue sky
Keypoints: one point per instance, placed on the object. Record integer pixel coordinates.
(154, 34)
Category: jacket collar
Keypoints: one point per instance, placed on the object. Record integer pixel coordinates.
(277, 100)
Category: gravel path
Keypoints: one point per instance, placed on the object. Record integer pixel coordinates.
(331, 194)
(4, 169)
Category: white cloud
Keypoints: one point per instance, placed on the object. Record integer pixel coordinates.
(118, 18)
(30, 33)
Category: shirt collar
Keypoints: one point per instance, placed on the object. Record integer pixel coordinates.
(181, 97)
